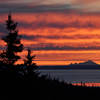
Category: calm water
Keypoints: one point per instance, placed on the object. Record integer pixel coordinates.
(74, 76)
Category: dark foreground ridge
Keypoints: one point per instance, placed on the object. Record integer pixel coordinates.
(16, 84)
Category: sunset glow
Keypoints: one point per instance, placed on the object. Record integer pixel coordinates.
(49, 47)
(56, 30)
(87, 84)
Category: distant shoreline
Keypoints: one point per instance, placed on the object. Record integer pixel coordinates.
(68, 68)
(85, 65)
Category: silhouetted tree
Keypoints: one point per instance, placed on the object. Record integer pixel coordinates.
(28, 62)
(13, 44)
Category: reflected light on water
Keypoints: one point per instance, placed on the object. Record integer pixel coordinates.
(87, 84)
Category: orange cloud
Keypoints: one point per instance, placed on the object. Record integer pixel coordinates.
(57, 33)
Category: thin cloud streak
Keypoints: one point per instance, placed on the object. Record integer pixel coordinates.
(41, 32)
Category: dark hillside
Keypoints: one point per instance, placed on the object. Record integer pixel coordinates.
(31, 86)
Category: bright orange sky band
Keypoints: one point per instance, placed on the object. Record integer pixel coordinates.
(58, 38)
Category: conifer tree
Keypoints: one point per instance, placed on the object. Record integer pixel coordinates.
(31, 66)
(13, 44)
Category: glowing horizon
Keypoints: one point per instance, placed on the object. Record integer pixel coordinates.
(63, 31)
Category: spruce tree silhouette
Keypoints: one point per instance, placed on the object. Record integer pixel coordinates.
(28, 62)
(9, 56)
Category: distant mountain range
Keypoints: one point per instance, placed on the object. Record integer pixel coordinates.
(85, 65)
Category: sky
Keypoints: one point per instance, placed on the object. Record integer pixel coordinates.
(58, 31)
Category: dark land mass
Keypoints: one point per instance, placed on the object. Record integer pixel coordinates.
(58, 67)
(16, 85)
(85, 65)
